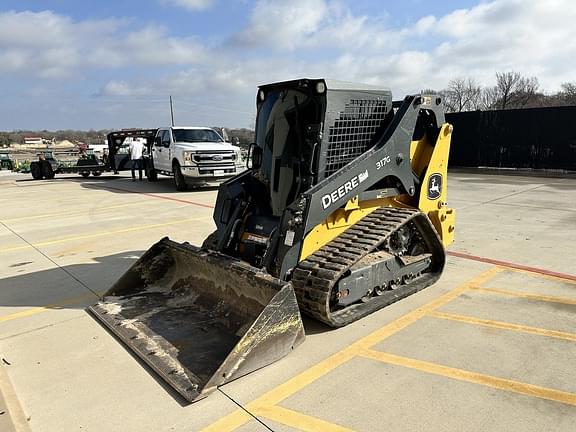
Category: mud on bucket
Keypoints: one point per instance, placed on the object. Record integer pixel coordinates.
(201, 319)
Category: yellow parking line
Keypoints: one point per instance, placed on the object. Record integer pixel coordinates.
(101, 234)
(36, 310)
(305, 378)
(536, 297)
(415, 315)
(473, 377)
(504, 325)
(300, 381)
(298, 420)
(541, 275)
(229, 423)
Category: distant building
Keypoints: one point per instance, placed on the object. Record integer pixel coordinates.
(33, 141)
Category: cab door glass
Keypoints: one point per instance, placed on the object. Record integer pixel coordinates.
(166, 138)
(158, 139)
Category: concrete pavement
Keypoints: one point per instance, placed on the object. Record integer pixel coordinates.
(489, 347)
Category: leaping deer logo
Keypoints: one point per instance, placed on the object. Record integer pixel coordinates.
(434, 186)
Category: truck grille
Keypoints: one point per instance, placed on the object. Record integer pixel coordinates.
(215, 162)
(353, 132)
(215, 157)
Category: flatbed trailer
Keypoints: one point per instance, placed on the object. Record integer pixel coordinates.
(117, 159)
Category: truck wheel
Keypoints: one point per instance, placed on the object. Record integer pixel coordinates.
(152, 175)
(85, 174)
(36, 171)
(96, 173)
(179, 180)
(47, 170)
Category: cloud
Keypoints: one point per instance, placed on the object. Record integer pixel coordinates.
(190, 4)
(148, 46)
(219, 78)
(34, 29)
(122, 88)
(319, 24)
(534, 38)
(284, 40)
(284, 25)
(477, 42)
(49, 45)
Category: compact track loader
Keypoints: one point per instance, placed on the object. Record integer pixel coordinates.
(341, 212)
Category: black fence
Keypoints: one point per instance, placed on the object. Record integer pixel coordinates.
(536, 138)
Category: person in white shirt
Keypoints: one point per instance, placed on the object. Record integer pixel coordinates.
(136, 149)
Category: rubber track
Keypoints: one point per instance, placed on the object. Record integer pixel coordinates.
(314, 278)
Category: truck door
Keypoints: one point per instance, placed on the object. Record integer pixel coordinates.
(161, 151)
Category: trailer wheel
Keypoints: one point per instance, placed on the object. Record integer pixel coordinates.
(179, 180)
(36, 171)
(47, 170)
(85, 174)
(96, 173)
(152, 175)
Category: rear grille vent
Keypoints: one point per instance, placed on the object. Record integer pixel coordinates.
(353, 132)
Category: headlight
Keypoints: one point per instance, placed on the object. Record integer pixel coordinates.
(236, 156)
(188, 156)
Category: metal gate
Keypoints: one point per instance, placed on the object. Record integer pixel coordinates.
(535, 138)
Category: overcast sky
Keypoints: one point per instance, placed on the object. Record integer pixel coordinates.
(113, 64)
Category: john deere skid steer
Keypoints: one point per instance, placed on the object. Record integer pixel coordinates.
(341, 212)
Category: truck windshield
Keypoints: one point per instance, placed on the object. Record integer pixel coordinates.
(196, 135)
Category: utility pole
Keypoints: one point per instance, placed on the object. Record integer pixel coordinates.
(171, 111)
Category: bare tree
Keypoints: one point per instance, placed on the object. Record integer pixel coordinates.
(513, 90)
(505, 84)
(4, 139)
(568, 93)
(462, 94)
(488, 98)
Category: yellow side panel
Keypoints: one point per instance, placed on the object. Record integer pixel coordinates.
(434, 190)
(340, 220)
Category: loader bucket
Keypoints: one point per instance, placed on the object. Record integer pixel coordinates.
(200, 318)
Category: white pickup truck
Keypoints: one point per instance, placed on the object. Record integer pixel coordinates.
(194, 156)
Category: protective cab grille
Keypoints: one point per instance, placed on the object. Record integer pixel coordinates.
(353, 132)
